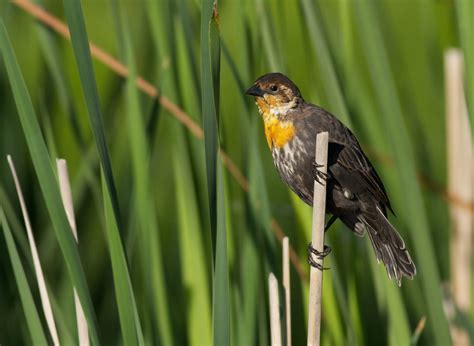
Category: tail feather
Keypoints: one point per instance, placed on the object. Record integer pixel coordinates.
(388, 245)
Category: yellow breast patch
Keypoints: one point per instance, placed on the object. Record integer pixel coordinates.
(278, 133)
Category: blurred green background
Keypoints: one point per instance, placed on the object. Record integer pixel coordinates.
(377, 65)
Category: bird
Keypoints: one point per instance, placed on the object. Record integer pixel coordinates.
(354, 191)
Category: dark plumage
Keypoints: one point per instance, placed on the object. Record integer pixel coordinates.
(355, 193)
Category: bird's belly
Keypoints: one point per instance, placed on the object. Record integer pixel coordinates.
(293, 163)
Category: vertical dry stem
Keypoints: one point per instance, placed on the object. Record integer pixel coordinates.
(48, 311)
(316, 277)
(460, 183)
(286, 286)
(275, 325)
(66, 196)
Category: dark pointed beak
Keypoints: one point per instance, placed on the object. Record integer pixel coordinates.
(255, 90)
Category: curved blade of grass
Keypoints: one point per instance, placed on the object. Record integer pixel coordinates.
(82, 54)
(47, 180)
(405, 166)
(29, 308)
(145, 204)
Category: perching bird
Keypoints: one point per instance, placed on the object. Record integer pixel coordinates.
(355, 194)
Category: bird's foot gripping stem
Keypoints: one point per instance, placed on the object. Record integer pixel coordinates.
(319, 176)
(319, 255)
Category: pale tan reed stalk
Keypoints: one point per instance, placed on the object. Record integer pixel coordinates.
(45, 302)
(286, 286)
(460, 183)
(316, 276)
(275, 324)
(66, 196)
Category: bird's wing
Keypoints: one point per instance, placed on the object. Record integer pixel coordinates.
(348, 153)
(353, 159)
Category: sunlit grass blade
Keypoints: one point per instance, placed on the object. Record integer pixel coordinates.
(123, 286)
(47, 180)
(80, 45)
(29, 307)
(326, 66)
(192, 251)
(145, 204)
(413, 208)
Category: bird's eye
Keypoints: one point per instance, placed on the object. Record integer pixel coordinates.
(274, 87)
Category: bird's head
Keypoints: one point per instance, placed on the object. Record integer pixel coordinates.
(275, 94)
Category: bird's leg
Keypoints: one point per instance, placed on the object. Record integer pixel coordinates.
(330, 222)
(319, 255)
(319, 176)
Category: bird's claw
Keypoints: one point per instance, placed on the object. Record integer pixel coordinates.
(319, 255)
(319, 176)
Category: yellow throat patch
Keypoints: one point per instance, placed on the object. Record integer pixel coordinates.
(278, 132)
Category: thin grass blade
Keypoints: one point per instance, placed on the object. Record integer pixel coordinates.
(221, 295)
(123, 286)
(29, 308)
(82, 54)
(210, 108)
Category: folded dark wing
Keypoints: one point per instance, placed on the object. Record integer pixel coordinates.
(352, 158)
(349, 155)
